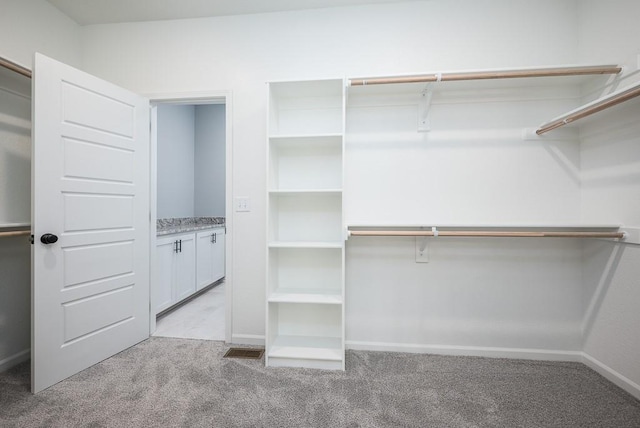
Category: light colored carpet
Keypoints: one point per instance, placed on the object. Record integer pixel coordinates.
(165, 382)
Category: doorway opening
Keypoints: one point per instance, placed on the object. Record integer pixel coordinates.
(190, 199)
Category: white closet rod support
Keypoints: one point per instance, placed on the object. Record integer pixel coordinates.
(15, 233)
(485, 75)
(15, 67)
(589, 109)
(488, 233)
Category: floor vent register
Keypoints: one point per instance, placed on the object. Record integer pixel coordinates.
(253, 354)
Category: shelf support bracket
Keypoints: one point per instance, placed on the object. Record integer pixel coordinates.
(424, 106)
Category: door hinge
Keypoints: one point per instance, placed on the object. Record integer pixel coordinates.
(31, 239)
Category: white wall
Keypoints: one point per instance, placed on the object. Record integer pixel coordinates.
(176, 154)
(477, 295)
(36, 26)
(610, 161)
(473, 166)
(242, 53)
(210, 170)
(523, 297)
(191, 160)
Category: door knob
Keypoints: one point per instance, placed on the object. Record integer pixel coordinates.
(48, 238)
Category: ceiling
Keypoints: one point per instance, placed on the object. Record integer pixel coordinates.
(87, 12)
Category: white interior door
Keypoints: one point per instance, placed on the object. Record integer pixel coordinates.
(90, 188)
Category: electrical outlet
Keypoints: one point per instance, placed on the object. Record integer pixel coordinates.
(242, 204)
(422, 251)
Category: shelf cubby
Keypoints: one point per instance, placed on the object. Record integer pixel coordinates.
(305, 163)
(309, 275)
(305, 335)
(305, 217)
(306, 107)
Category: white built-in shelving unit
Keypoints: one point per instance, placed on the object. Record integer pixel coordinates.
(306, 228)
(305, 250)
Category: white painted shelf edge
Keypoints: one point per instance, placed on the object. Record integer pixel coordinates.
(303, 191)
(307, 347)
(305, 296)
(305, 244)
(306, 136)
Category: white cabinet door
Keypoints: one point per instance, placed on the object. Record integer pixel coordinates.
(218, 253)
(90, 188)
(165, 255)
(204, 263)
(185, 284)
(210, 266)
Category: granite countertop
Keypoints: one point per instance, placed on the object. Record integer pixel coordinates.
(168, 226)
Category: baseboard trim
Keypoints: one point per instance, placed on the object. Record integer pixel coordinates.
(611, 375)
(247, 339)
(471, 351)
(14, 360)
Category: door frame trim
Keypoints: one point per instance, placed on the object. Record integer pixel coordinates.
(194, 98)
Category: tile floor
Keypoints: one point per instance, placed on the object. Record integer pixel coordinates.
(201, 318)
